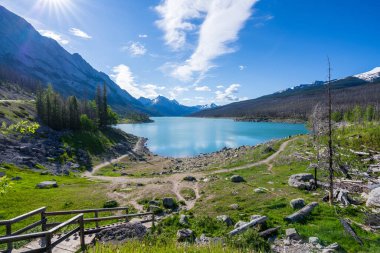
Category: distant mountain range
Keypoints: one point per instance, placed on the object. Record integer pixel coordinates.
(25, 51)
(162, 106)
(298, 102)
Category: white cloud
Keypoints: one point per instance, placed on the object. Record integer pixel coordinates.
(135, 49)
(241, 67)
(79, 33)
(176, 91)
(220, 87)
(53, 35)
(143, 36)
(123, 76)
(223, 19)
(228, 94)
(202, 88)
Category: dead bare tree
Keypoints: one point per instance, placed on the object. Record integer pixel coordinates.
(331, 170)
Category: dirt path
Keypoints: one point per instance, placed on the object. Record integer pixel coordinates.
(176, 180)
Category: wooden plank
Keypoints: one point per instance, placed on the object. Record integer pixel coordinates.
(65, 236)
(88, 220)
(23, 216)
(66, 223)
(33, 225)
(85, 211)
(15, 238)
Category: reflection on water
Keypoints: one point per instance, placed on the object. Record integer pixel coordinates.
(180, 136)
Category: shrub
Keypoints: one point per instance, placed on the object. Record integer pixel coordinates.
(110, 204)
(249, 240)
(87, 124)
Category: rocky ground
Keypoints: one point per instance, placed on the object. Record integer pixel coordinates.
(45, 152)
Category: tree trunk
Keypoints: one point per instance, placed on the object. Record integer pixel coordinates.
(301, 214)
(267, 233)
(252, 223)
(350, 231)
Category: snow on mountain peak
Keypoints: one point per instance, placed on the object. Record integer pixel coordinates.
(370, 75)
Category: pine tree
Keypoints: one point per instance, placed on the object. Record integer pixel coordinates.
(104, 106)
(98, 100)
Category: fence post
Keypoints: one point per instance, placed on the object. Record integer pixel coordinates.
(126, 213)
(9, 233)
(96, 216)
(43, 220)
(48, 243)
(81, 233)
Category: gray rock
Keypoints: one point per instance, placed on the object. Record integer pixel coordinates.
(16, 178)
(297, 203)
(47, 185)
(2, 173)
(185, 235)
(374, 198)
(190, 179)
(255, 216)
(168, 202)
(314, 240)
(226, 219)
(260, 190)
(234, 206)
(301, 181)
(237, 179)
(183, 220)
(154, 202)
(203, 239)
(240, 223)
(333, 246)
(291, 234)
(122, 233)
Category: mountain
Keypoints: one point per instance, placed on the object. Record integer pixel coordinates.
(162, 106)
(370, 76)
(298, 102)
(24, 51)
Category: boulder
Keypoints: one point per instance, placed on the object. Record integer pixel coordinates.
(314, 240)
(237, 179)
(185, 235)
(190, 179)
(183, 220)
(2, 173)
(16, 178)
(255, 216)
(122, 232)
(47, 185)
(260, 190)
(226, 219)
(374, 198)
(154, 202)
(234, 206)
(203, 239)
(297, 203)
(292, 234)
(168, 203)
(301, 181)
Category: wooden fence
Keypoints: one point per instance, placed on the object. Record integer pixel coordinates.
(47, 235)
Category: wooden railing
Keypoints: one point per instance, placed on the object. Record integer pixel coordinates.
(47, 235)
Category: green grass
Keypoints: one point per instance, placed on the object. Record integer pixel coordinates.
(23, 196)
(139, 247)
(188, 193)
(98, 142)
(324, 222)
(15, 111)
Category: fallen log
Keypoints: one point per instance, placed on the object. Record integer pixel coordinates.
(252, 223)
(302, 213)
(350, 231)
(267, 233)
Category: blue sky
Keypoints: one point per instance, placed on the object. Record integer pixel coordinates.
(221, 51)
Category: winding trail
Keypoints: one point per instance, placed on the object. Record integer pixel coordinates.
(176, 180)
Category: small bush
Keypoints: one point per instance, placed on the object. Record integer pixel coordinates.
(110, 204)
(249, 240)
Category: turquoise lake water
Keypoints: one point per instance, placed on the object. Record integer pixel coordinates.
(183, 136)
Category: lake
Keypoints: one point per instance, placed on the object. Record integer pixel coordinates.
(184, 136)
